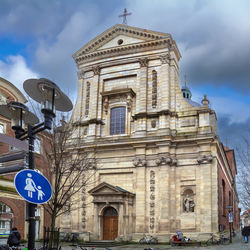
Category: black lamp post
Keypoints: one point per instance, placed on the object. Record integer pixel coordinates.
(52, 98)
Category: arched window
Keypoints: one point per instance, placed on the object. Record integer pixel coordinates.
(6, 216)
(223, 198)
(183, 94)
(117, 120)
(110, 211)
(230, 199)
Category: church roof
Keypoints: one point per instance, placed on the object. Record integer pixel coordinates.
(194, 104)
(99, 43)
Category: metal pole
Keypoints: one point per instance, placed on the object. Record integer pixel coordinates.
(230, 227)
(31, 206)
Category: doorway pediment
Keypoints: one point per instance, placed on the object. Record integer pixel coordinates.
(107, 189)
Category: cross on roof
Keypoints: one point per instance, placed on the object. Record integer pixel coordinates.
(124, 15)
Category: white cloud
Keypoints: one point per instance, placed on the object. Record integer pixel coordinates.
(235, 109)
(15, 70)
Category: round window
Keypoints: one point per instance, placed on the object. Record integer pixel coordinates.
(120, 41)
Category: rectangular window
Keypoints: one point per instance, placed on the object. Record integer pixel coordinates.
(37, 146)
(1, 128)
(2, 224)
(117, 120)
(2, 208)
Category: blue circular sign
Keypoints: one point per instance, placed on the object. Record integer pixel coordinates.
(33, 186)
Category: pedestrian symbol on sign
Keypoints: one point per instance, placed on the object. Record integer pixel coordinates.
(33, 186)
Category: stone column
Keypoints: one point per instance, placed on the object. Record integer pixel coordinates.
(141, 189)
(163, 162)
(164, 94)
(173, 223)
(93, 106)
(78, 110)
(96, 222)
(164, 85)
(141, 98)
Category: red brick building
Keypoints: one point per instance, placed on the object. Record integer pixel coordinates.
(227, 193)
(12, 206)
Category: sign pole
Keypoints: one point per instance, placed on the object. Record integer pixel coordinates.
(230, 220)
(31, 206)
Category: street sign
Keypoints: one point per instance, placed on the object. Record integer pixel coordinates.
(11, 169)
(12, 157)
(33, 186)
(14, 142)
(230, 218)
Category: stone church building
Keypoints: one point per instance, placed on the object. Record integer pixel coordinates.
(160, 164)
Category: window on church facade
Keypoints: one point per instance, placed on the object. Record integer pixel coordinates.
(154, 89)
(117, 120)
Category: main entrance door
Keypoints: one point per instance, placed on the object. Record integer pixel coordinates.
(110, 223)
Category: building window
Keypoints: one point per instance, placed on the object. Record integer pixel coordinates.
(1, 128)
(2, 224)
(2, 208)
(37, 146)
(223, 198)
(117, 120)
(230, 199)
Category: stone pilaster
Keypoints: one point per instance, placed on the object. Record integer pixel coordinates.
(141, 105)
(94, 92)
(140, 164)
(164, 86)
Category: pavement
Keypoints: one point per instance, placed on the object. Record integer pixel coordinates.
(237, 244)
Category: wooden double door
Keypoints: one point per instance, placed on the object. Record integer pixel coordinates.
(110, 224)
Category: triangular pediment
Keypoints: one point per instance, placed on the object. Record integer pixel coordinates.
(105, 188)
(110, 38)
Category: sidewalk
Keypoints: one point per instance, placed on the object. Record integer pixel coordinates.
(237, 244)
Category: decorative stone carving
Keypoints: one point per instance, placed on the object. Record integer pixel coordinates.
(164, 58)
(138, 162)
(188, 201)
(84, 208)
(85, 131)
(174, 161)
(129, 102)
(154, 89)
(87, 99)
(96, 70)
(205, 102)
(202, 159)
(106, 104)
(143, 62)
(152, 200)
(153, 123)
(80, 74)
(163, 160)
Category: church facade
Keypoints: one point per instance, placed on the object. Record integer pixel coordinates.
(159, 160)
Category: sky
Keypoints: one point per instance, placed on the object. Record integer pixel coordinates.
(39, 37)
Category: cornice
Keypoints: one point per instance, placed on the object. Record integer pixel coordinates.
(154, 114)
(118, 91)
(120, 29)
(125, 49)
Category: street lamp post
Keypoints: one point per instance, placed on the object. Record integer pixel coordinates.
(52, 98)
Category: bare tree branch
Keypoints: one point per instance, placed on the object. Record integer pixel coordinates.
(70, 170)
(244, 171)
